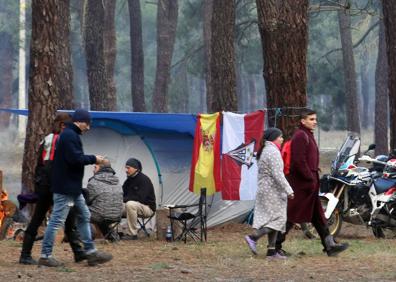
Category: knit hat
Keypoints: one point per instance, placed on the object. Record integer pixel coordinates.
(135, 163)
(272, 133)
(82, 115)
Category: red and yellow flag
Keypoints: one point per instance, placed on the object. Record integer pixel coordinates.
(205, 164)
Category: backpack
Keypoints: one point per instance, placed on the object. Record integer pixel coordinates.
(286, 156)
(44, 163)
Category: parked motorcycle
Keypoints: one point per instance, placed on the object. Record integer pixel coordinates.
(382, 194)
(344, 193)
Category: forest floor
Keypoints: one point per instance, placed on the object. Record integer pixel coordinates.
(224, 257)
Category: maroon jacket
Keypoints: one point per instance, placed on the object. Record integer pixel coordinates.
(304, 178)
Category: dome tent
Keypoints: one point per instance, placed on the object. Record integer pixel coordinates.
(163, 143)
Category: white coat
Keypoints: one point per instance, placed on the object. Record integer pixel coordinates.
(270, 209)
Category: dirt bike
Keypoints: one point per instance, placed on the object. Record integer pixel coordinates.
(344, 192)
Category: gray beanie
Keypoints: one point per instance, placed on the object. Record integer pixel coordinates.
(82, 115)
(135, 163)
(272, 133)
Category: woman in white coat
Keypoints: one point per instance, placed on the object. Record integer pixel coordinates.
(270, 210)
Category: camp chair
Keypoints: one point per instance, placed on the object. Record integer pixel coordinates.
(193, 224)
(143, 221)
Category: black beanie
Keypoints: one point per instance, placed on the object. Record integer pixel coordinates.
(272, 133)
(135, 163)
(82, 115)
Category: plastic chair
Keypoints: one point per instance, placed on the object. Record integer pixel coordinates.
(193, 224)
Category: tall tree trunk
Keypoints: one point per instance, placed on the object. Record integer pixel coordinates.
(78, 56)
(365, 90)
(167, 13)
(137, 56)
(207, 36)
(6, 64)
(65, 69)
(110, 51)
(239, 88)
(351, 97)
(381, 96)
(94, 13)
(43, 89)
(283, 28)
(222, 59)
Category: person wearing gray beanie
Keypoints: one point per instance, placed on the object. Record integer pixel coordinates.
(139, 196)
(272, 189)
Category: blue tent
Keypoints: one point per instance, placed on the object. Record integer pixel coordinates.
(163, 142)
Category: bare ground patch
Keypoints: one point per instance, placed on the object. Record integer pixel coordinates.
(224, 257)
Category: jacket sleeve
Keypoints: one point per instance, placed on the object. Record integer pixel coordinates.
(299, 153)
(150, 196)
(276, 165)
(74, 154)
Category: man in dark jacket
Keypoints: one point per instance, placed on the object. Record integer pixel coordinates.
(304, 179)
(43, 190)
(139, 196)
(104, 198)
(67, 175)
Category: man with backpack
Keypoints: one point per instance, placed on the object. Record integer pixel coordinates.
(303, 177)
(44, 202)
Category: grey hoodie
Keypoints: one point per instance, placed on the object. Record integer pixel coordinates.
(104, 196)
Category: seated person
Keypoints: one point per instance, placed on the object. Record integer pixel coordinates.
(104, 198)
(139, 196)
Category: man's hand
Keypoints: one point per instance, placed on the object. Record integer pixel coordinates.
(99, 159)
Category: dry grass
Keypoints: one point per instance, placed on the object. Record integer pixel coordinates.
(225, 257)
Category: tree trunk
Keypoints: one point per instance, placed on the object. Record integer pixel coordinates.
(365, 90)
(94, 13)
(6, 64)
(207, 36)
(64, 69)
(381, 96)
(351, 97)
(43, 89)
(110, 52)
(239, 88)
(137, 56)
(167, 13)
(222, 59)
(283, 28)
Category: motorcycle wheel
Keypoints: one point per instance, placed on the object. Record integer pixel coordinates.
(334, 223)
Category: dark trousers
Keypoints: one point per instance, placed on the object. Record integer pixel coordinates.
(43, 205)
(316, 221)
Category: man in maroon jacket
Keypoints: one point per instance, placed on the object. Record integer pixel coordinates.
(304, 179)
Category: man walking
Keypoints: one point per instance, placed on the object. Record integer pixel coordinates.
(304, 179)
(67, 175)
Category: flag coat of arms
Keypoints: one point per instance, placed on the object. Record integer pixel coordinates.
(241, 139)
(205, 163)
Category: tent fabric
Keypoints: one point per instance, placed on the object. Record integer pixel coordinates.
(163, 142)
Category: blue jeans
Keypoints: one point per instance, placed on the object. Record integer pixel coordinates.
(61, 208)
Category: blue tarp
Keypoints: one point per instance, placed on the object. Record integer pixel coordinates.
(130, 122)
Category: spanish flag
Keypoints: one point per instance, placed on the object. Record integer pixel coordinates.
(205, 164)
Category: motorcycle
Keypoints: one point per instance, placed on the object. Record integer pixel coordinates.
(344, 193)
(382, 193)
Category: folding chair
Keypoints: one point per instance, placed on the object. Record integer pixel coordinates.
(143, 221)
(193, 224)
